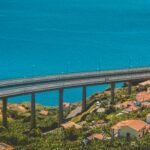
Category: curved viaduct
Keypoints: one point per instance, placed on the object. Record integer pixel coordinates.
(16, 87)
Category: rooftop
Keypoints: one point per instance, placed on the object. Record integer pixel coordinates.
(18, 107)
(4, 146)
(131, 108)
(146, 104)
(127, 104)
(145, 83)
(135, 124)
(148, 115)
(65, 104)
(143, 96)
(44, 112)
(96, 136)
(70, 125)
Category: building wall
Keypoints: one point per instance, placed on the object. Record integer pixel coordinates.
(139, 102)
(148, 119)
(115, 132)
(133, 133)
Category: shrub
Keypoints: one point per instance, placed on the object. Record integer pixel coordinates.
(26, 117)
(110, 110)
(14, 138)
(2, 129)
(71, 133)
(13, 113)
(35, 133)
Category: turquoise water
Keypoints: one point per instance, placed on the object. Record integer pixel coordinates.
(40, 37)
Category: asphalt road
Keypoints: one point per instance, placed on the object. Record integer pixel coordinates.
(72, 83)
(66, 77)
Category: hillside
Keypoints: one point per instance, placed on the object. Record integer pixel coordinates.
(91, 129)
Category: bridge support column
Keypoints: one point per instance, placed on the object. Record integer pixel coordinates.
(83, 98)
(129, 88)
(61, 94)
(33, 111)
(112, 93)
(4, 112)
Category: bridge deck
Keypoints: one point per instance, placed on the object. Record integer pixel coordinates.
(73, 83)
(65, 77)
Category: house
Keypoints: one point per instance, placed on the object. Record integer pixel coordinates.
(96, 136)
(141, 88)
(148, 90)
(130, 128)
(145, 83)
(126, 104)
(17, 107)
(70, 125)
(130, 109)
(65, 104)
(146, 104)
(4, 146)
(129, 106)
(148, 118)
(44, 112)
(143, 97)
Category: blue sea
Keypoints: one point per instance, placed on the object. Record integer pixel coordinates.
(41, 37)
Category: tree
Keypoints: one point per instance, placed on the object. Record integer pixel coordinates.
(71, 133)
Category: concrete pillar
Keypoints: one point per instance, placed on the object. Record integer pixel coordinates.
(61, 93)
(129, 88)
(4, 112)
(112, 93)
(33, 111)
(83, 98)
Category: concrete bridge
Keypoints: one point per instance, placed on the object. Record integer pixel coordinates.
(11, 88)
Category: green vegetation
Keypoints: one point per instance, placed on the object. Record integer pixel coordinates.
(21, 137)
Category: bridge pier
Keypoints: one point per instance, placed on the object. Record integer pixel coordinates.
(4, 112)
(61, 116)
(83, 98)
(129, 88)
(33, 111)
(112, 93)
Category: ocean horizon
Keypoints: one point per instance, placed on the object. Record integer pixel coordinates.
(59, 37)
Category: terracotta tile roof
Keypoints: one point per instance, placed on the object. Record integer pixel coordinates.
(127, 104)
(143, 96)
(70, 125)
(145, 83)
(146, 104)
(148, 127)
(96, 136)
(131, 108)
(4, 146)
(44, 112)
(65, 104)
(118, 125)
(18, 107)
(135, 124)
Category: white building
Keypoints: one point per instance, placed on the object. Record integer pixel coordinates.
(148, 118)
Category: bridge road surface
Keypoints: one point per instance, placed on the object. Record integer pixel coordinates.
(72, 84)
(60, 86)
(66, 77)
